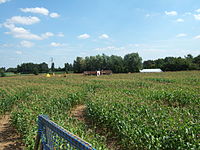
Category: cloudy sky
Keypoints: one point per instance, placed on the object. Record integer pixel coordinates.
(36, 30)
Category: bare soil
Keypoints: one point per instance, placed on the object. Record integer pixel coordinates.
(79, 112)
(9, 138)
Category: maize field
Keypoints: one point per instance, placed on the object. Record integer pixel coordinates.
(123, 111)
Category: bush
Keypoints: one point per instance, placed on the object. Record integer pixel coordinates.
(35, 71)
(2, 74)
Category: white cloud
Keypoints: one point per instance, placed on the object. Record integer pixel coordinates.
(37, 10)
(19, 32)
(180, 20)
(26, 44)
(84, 36)
(197, 37)
(104, 36)
(198, 10)
(110, 48)
(197, 17)
(54, 15)
(23, 20)
(54, 44)
(60, 35)
(18, 52)
(181, 35)
(47, 35)
(3, 1)
(171, 13)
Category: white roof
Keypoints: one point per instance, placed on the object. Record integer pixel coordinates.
(151, 70)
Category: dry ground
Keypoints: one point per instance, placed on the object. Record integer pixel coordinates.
(9, 139)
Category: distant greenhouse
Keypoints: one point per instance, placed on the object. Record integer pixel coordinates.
(150, 70)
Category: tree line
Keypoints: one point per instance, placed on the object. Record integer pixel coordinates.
(27, 68)
(174, 63)
(129, 63)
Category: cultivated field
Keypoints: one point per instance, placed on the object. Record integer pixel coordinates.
(121, 111)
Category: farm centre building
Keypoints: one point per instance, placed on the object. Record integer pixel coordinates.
(98, 73)
(150, 70)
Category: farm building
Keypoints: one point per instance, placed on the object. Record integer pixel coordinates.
(90, 72)
(150, 70)
(102, 72)
(106, 72)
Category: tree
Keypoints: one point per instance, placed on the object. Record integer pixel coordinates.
(2, 69)
(14, 70)
(116, 64)
(159, 63)
(79, 65)
(99, 62)
(105, 64)
(196, 60)
(35, 71)
(2, 72)
(93, 63)
(26, 68)
(189, 57)
(43, 68)
(173, 63)
(68, 67)
(52, 67)
(133, 62)
(149, 64)
(88, 64)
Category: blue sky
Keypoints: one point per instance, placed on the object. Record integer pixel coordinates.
(36, 30)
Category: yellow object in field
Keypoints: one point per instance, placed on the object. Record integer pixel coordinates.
(48, 75)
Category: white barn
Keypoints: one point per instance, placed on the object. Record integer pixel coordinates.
(150, 70)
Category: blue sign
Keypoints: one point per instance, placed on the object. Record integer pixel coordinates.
(54, 137)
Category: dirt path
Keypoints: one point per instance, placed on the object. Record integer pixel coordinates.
(79, 112)
(9, 139)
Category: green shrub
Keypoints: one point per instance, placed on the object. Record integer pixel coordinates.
(2, 74)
